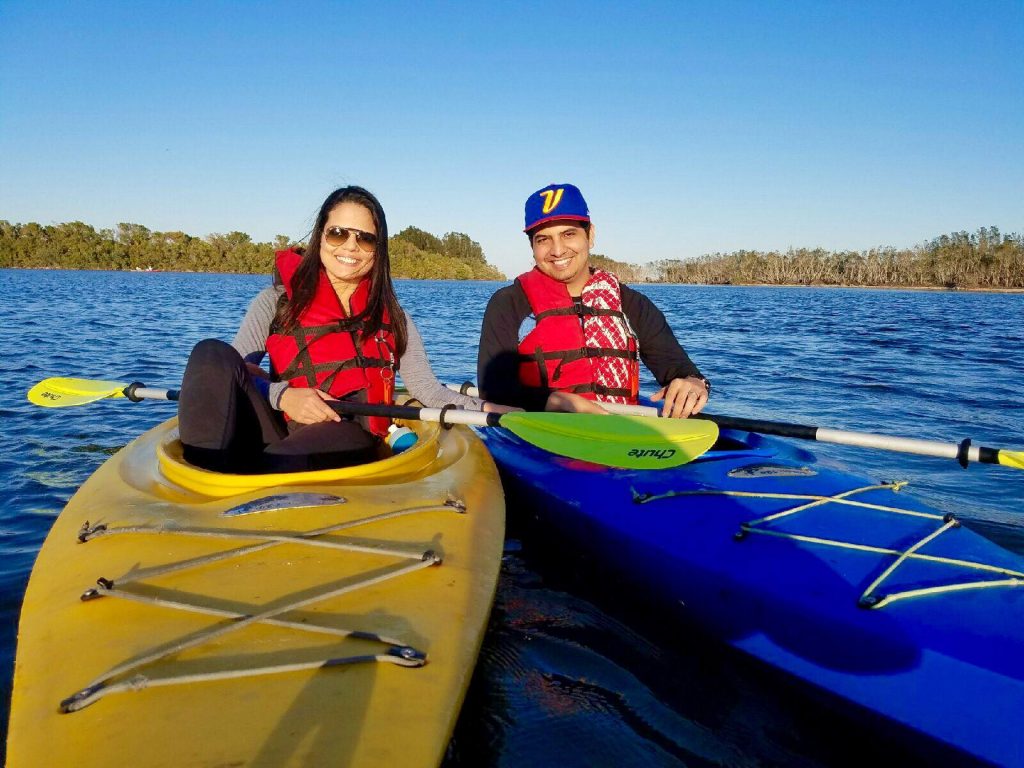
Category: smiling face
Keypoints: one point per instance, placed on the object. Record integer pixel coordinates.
(348, 263)
(561, 250)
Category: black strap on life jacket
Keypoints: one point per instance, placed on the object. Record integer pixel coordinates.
(302, 364)
(601, 389)
(571, 355)
(579, 309)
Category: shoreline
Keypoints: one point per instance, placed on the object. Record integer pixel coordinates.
(247, 274)
(934, 288)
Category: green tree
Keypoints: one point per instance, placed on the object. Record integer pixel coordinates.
(422, 240)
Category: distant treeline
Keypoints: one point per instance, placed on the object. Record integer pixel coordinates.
(414, 253)
(983, 259)
(627, 273)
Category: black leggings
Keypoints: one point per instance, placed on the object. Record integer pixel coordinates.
(227, 425)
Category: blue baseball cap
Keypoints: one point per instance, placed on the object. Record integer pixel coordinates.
(555, 201)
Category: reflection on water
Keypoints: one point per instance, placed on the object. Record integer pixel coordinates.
(568, 677)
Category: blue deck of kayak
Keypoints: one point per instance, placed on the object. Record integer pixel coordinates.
(947, 663)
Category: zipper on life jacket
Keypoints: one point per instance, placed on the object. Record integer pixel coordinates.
(581, 312)
(387, 374)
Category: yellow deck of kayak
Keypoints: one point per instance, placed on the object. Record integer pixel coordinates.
(180, 687)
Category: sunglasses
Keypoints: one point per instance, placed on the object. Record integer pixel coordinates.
(335, 236)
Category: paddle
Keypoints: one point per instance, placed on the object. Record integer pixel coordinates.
(65, 392)
(630, 442)
(963, 451)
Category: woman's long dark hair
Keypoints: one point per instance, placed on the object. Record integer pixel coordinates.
(382, 290)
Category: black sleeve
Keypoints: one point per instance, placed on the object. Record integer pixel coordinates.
(498, 357)
(659, 350)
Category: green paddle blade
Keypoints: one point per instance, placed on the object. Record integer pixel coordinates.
(62, 393)
(630, 442)
(1013, 459)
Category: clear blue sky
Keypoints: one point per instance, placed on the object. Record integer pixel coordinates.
(690, 127)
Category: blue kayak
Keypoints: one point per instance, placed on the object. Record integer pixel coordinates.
(844, 582)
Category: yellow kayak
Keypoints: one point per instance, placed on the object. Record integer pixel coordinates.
(179, 617)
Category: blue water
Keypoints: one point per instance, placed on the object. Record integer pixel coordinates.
(566, 677)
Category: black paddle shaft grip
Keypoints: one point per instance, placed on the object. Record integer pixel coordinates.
(137, 392)
(778, 428)
(348, 408)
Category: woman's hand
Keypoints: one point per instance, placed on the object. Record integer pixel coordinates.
(683, 397)
(307, 406)
(566, 402)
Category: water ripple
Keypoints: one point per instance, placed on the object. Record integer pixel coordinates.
(934, 365)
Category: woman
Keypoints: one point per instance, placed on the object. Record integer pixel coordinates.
(333, 328)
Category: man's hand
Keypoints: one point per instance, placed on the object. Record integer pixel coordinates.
(566, 402)
(306, 406)
(683, 397)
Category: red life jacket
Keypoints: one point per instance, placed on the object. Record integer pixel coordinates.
(590, 350)
(328, 350)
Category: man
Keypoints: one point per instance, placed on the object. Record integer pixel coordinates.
(567, 337)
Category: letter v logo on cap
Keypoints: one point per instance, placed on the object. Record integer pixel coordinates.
(552, 197)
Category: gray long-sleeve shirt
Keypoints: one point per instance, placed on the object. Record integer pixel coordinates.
(414, 367)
